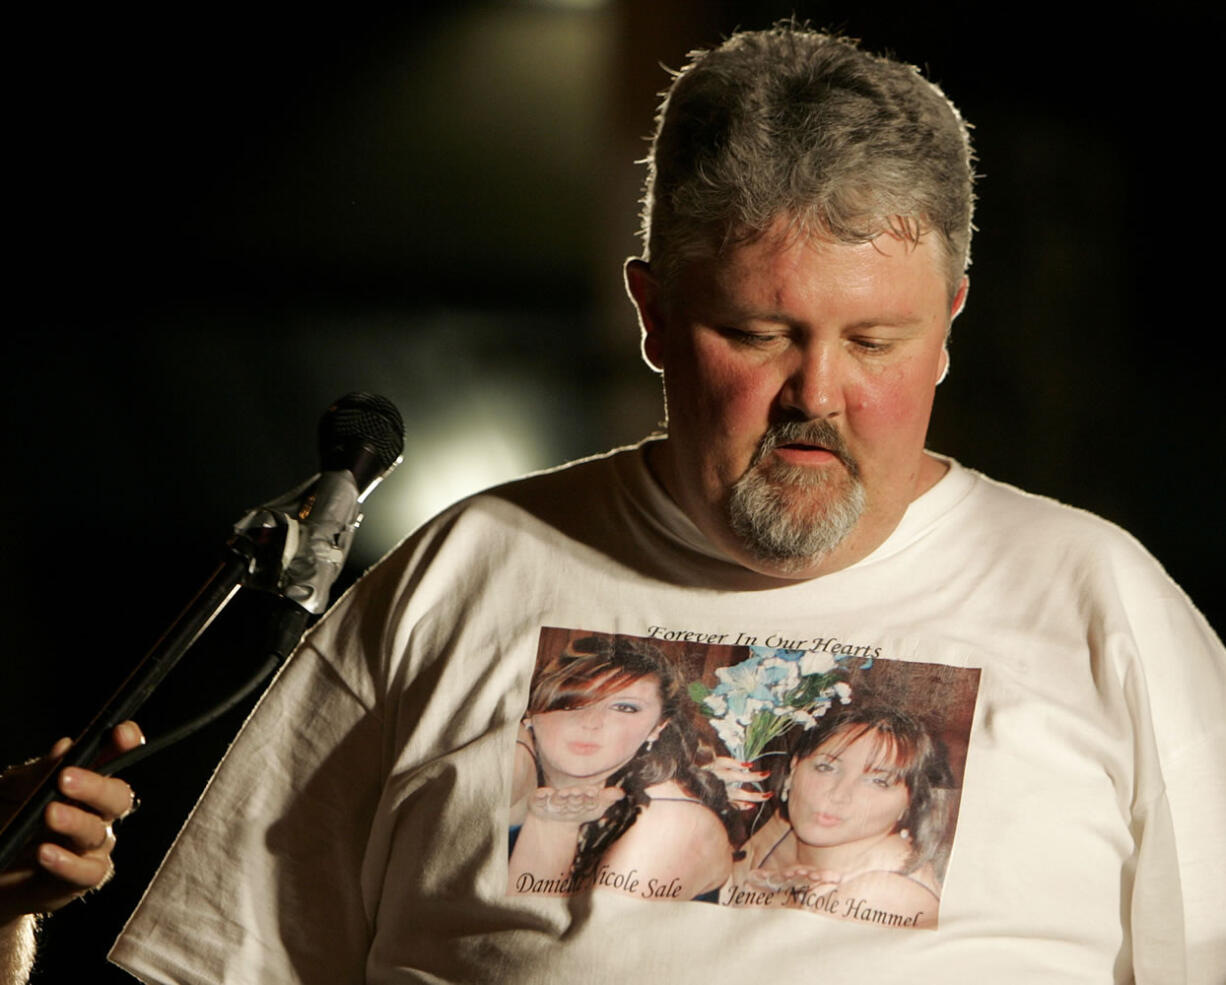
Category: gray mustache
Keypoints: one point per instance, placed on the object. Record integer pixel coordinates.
(816, 432)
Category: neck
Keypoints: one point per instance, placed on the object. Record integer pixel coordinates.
(562, 781)
(869, 533)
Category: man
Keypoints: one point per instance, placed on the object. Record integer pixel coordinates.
(788, 548)
(77, 855)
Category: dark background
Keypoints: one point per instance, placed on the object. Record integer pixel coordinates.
(220, 221)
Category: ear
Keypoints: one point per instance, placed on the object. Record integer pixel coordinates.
(955, 309)
(644, 291)
(943, 365)
(959, 301)
(655, 732)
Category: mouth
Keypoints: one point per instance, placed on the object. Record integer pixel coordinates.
(816, 443)
(813, 445)
(583, 748)
(828, 820)
(802, 453)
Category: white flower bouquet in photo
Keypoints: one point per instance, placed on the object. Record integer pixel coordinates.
(762, 697)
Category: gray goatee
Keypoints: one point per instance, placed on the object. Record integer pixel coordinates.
(791, 515)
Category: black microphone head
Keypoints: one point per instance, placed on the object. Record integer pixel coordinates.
(361, 432)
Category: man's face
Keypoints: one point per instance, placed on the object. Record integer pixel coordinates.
(799, 376)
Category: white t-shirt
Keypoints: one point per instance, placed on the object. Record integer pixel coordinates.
(357, 831)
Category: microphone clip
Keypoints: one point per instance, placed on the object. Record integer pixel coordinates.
(298, 542)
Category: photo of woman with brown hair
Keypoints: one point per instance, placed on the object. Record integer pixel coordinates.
(610, 787)
(865, 812)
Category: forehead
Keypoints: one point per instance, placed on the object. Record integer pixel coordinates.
(784, 276)
(643, 689)
(867, 749)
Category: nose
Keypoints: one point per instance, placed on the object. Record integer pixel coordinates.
(814, 386)
(590, 718)
(841, 788)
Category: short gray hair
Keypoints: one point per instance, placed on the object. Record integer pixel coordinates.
(791, 123)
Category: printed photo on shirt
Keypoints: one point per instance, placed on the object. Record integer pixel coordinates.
(822, 779)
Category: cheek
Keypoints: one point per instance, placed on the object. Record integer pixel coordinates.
(889, 808)
(894, 404)
(549, 727)
(808, 789)
(721, 387)
(625, 742)
(632, 730)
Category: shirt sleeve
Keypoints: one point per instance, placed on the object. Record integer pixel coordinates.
(273, 851)
(1179, 691)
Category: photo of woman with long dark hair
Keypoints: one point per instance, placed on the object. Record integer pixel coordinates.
(610, 787)
(864, 811)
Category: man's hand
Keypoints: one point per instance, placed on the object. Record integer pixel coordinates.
(75, 855)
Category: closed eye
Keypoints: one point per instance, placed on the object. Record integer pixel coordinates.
(872, 345)
(740, 336)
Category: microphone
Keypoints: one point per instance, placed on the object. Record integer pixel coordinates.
(363, 434)
(301, 539)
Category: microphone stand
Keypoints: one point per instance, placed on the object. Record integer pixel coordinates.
(238, 563)
(293, 547)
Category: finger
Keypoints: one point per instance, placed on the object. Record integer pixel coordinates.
(14, 879)
(61, 746)
(766, 879)
(85, 871)
(85, 831)
(124, 737)
(733, 770)
(811, 876)
(109, 797)
(127, 736)
(578, 795)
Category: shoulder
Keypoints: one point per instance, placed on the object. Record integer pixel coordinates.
(565, 494)
(770, 844)
(680, 843)
(670, 798)
(891, 897)
(1075, 566)
(1056, 542)
(677, 814)
(1001, 506)
(548, 494)
(518, 520)
(585, 504)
